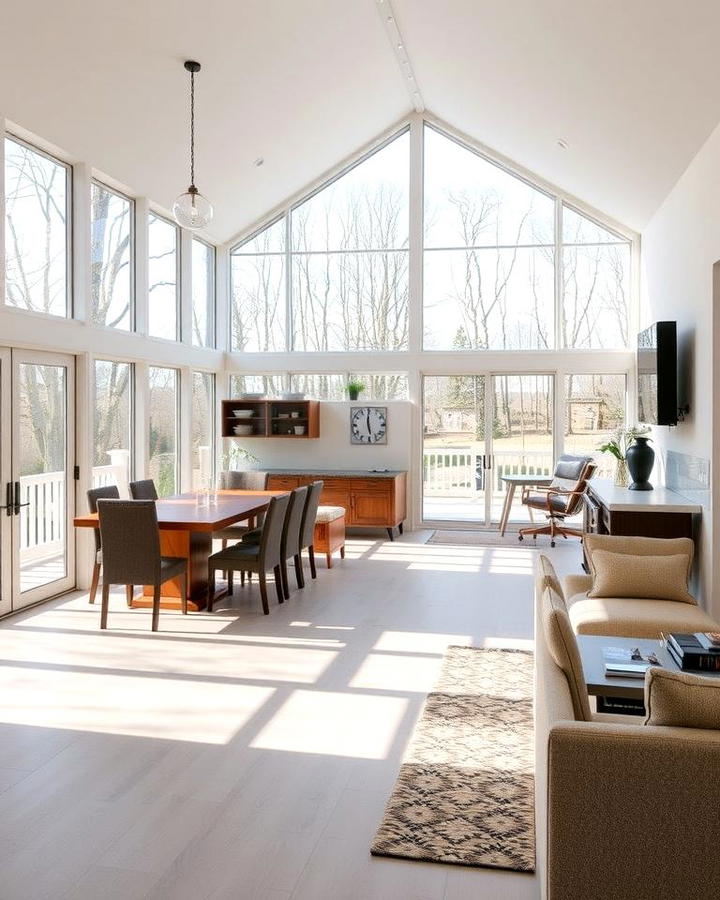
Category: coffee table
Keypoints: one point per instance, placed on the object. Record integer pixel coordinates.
(620, 695)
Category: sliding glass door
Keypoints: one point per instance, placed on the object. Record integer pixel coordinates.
(476, 429)
(37, 488)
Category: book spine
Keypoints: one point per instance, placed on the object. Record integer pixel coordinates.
(694, 662)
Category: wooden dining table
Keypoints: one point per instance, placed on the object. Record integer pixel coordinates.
(186, 530)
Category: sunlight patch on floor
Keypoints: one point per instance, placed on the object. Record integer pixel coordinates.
(419, 642)
(413, 674)
(335, 724)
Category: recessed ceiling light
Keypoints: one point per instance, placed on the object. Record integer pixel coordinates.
(563, 144)
(390, 19)
(258, 162)
(400, 46)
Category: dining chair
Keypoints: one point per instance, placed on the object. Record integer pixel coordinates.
(259, 558)
(290, 540)
(131, 553)
(307, 525)
(235, 480)
(143, 490)
(108, 492)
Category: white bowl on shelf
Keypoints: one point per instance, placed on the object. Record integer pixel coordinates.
(243, 429)
(243, 413)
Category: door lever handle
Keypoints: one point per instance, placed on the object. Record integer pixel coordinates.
(9, 505)
(17, 505)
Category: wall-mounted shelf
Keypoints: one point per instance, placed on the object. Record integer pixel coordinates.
(272, 418)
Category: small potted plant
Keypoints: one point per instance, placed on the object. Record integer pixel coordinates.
(619, 445)
(354, 389)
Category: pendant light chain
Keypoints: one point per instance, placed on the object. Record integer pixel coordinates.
(192, 129)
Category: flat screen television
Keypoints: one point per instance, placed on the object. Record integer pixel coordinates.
(657, 374)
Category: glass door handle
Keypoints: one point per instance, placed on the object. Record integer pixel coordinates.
(17, 505)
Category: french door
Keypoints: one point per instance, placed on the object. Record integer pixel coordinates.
(37, 453)
(476, 429)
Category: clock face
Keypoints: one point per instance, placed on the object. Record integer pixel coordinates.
(368, 425)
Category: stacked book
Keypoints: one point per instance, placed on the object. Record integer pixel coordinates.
(699, 652)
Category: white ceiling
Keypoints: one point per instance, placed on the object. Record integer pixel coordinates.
(634, 88)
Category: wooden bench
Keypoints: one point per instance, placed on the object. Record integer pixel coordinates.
(330, 532)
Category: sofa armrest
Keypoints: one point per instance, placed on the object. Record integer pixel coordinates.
(576, 584)
(632, 811)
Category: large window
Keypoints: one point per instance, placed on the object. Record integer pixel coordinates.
(203, 430)
(37, 246)
(267, 385)
(594, 409)
(203, 294)
(163, 282)
(596, 284)
(112, 424)
(489, 254)
(346, 266)
(111, 249)
(164, 429)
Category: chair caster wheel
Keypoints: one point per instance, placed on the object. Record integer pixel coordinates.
(552, 543)
(520, 537)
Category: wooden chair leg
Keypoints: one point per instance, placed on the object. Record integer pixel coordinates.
(328, 559)
(129, 591)
(279, 586)
(263, 593)
(211, 590)
(230, 581)
(242, 578)
(299, 574)
(284, 579)
(184, 583)
(156, 607)
(94, 583)
(104, 604)
(311, 557)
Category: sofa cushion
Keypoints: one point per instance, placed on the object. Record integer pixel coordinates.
(630, 617)
(564, 650)
(638, 546)
(681, 699)
(625, 575)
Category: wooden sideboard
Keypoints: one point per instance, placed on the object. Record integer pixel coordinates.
(369, 498)
(658, 513)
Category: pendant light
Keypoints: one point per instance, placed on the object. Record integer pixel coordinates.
(191, 209)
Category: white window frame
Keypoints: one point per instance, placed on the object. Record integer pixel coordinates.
(133, 277)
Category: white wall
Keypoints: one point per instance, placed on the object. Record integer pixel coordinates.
(679, 249)
(333, 449)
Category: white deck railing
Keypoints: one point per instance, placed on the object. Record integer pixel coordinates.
(452, 471)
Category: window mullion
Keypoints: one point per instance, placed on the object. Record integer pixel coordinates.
(559, 329)
(289, 335)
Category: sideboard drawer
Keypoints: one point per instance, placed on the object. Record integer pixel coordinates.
(283, 482)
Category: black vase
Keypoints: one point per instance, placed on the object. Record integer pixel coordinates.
(640, 458)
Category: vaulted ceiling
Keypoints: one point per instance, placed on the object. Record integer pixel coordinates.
(632, 88)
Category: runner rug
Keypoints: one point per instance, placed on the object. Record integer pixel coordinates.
(465, 792)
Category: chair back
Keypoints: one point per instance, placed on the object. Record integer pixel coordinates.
(130, 541)
(570, 471)
(307, 526)
(109, 492)
(250, 480)
(271, 535)
(143, 490)
(293, 522)
(574, 502)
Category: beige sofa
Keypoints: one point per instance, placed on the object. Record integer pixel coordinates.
(623, 811)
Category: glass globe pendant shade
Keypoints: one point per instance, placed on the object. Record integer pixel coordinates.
(192, 210)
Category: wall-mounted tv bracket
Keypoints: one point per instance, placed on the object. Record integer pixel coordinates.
(683, 411)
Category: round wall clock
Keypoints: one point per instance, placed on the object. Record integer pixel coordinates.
(368, 425)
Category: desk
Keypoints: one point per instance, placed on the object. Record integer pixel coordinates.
(186, 531)
(511, 482)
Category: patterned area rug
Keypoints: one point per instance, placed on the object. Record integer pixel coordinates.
(465, 792)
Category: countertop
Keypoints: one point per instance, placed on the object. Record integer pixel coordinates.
(338, 473)
(660, 499)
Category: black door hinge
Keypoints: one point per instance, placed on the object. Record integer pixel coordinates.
(76, 473)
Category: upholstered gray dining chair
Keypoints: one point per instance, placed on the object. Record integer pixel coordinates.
(290, 540)
(143, 490)
(259, 558)
(108, 492)
(307, 526)
(131, 553)
(232, 480)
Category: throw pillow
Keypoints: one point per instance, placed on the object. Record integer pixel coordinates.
(652, 577)
(681, 699)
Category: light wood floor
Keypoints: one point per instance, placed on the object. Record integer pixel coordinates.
(239, 755)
